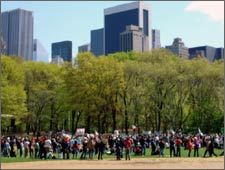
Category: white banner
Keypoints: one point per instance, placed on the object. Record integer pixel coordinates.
(116, 132)
(80, 131)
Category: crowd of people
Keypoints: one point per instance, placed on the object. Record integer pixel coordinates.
(63, 146)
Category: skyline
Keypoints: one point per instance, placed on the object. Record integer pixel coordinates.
(188, 22)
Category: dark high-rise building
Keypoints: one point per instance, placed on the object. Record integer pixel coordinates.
(179, 48)
(133, 39)
(219, 53)
(97, 38)
(117, 18)
(211, 53)
(84, 48)
(17, 29)
(156, 39)
(62, 49)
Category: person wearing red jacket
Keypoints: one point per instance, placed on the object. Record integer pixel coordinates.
(189, 146)
(178, 143)
(128, 145)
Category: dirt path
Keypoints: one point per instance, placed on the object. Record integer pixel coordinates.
(135, 163)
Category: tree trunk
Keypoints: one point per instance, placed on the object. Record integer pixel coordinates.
(28, 125)
(146, 122)
(88, 124)
(136, 118)
(126, 114)
(103, 125)
(77, 121)
(39, 125)
(159, 116)
(99, 123)
(73, 119)
(114, 118)
(114, 113)
(51, 119)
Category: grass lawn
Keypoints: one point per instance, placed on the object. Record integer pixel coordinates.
(184, 153)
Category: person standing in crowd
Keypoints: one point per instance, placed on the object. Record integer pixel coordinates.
(84, 149)
(47, 147)
(196, 147)
(36, 149)
(54, 145)
(75, 149)
(118, 149)
(128, 145)
(6, 150)
(12, 145)
(31, 147)
(161, 147)
(26, 147)
(211, 148)
(189, 146)
(207, 141)
(178, 143)
(111, 144)
(91, 147)
(64, 148)
(41, 149)
(153, 146)
(18, 145)
(172, 145)
(58, 147)
(101, 148)
(122, 145)
(143, 144)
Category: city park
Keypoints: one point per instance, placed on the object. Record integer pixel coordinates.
(124, 110)
(158, 93)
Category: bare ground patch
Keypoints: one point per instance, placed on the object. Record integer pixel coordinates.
(135, 163)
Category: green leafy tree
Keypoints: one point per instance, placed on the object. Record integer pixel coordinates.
(13, 94)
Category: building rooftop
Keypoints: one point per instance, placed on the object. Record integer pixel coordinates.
(126, 7)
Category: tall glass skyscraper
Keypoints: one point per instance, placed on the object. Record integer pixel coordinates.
(62, 49)
(97, 38)
(17, 29)
(117, 18)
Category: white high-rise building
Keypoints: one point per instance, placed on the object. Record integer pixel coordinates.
(39, 52)
(156, 39)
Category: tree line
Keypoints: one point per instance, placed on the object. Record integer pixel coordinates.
(153, 91)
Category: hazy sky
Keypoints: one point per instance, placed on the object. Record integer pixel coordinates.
(196, 22)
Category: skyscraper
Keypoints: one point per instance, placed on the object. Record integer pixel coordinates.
(156, 39)
(179, 48)
(17, 29)
(133, 39)
(62, 49)
(97, 38)
(39, 52)
(117, 18)
(84, 48)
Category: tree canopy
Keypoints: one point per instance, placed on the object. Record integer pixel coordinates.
(153, 91)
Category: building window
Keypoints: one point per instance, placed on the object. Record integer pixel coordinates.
(145, 22)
